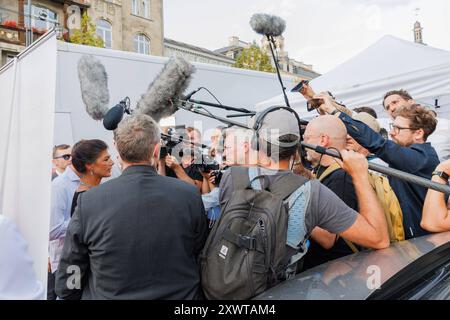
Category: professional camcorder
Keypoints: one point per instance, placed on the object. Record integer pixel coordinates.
(170, 141)
(178, 146)
(217, 174)
(208, 164)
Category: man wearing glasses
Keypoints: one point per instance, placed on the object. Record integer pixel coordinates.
(61, 159)
(408, 151)
(440, 138)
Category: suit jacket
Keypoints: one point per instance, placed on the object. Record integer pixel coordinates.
(134, 237)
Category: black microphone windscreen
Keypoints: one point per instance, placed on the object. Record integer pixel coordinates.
(167, 86)
(94, 86)
(267, 25)
(113, 117)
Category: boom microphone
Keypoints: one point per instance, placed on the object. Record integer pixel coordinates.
(158, 101)
(267, 25)
(94, 86)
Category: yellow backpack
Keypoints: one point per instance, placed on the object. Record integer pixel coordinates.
(388, 200)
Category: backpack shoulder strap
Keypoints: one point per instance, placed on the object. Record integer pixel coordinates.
(240, 178)
(329, 171)
(285, 185)
(351, 245)
(335, 166)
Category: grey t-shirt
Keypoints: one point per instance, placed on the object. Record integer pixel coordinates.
(324, 208)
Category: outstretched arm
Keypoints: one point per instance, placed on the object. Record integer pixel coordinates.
(409, 159)
(435, 214)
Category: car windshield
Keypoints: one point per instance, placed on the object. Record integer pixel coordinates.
(433, 286)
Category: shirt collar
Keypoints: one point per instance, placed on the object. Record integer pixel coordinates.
(139, 169)
(70, 174)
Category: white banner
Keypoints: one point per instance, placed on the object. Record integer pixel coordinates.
(27, 95)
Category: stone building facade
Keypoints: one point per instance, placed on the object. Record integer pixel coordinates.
(288, 67)
(195, 54)
(130, 25)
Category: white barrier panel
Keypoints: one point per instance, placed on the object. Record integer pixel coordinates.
(27, 95)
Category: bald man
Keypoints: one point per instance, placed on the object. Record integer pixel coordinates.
(329, 132)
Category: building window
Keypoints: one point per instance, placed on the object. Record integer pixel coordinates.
(141, 44)
(146, 8)
(104, 31)
(135, 7)
(41, 18)
(141, 8)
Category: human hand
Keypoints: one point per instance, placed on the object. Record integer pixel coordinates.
(354, 163)
(205, 175)
(307, 91)
(171, 161)
(327, 106)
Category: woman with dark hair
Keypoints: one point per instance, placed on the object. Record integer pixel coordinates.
(92, 159)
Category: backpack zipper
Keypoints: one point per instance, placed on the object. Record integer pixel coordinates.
(249, 273)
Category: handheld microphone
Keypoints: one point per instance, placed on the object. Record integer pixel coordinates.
(115, 114)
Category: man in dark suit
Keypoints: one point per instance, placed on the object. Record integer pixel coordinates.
(137, 236)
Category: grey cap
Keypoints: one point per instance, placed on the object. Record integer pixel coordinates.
(277, 124)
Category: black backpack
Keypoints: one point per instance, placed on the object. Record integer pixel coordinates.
(246, 252)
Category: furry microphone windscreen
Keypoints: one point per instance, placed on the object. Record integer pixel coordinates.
(160, 99)
(267, 25)
(94, 86)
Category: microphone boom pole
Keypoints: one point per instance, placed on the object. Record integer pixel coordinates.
(190, 106)
(388, 171)
(277, 67)
(221, 106)
(408, 177)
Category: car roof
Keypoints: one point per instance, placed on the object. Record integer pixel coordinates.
(357, 276)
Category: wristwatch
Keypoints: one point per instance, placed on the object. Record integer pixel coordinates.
(334, 112)
(441, 174)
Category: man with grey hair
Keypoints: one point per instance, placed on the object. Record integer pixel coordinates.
(137, 236)
(236, 152)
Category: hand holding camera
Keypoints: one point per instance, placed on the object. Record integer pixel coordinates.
(171, 161)
(326, 105)
(308, 93)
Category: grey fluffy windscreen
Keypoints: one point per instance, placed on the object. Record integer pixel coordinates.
(266, 24)
(168, 85)
(94, 86)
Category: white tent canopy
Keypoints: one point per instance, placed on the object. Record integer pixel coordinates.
(389, 64)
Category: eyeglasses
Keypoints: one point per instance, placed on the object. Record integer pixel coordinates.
(64, 156)
(397, 129)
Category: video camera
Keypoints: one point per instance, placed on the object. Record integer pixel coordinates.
(217, 174)
(170, 141)
(173, 141)
(208, 164)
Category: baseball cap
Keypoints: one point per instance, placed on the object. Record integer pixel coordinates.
(277, 124)
(368, 120)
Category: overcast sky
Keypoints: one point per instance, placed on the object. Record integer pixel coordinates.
(323, 33)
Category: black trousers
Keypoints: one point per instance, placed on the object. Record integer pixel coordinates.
(51, 295)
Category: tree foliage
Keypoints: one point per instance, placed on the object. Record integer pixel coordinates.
(254, 58)
(87, 34)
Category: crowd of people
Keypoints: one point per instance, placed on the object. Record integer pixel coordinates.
(166, 228)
